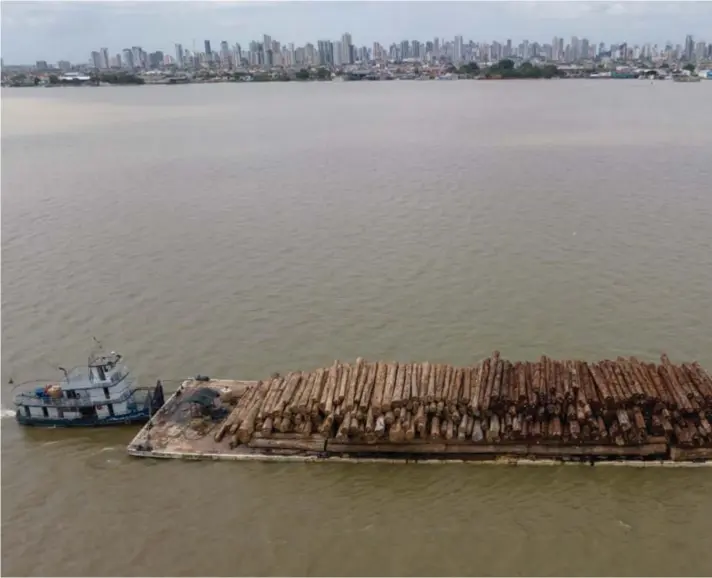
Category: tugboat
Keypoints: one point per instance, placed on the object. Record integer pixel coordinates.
(101, 393)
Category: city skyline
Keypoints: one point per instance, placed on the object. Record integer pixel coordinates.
(70, 31)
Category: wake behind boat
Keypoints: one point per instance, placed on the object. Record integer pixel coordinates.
(99, 394)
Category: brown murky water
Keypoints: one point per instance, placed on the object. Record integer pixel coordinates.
(239, 230)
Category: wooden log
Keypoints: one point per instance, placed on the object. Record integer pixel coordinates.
(477, 387)
(529, 372)
(468, 376)
(643, 376)
(396, 433)
(670, 383)
(369, 380)
(301, 405)
(435, 428)
(449, 430)
(355, 374)
(315, 394)
(311, 444)
(623, 420)
(493, 429)
(429, 371)
(286, 425)
(415, 383)
(344, 381)
(233, 420)
(409, 425)
(332, 379)
(342, 433)
(486, 399)
(495, 397)
(535, 395)
(698, 379)
(462, 428)
(403, 376)
(601, 384)
(379, 429)
(293, 382)
(520, 372)
(704, 377)
(588, 387)
(420, 421)
(620, 394)
(477, 433)
(355, 429)
(379, 388)
(327, 425)
(666, 395)
(439, 381)
(247, 427)
(391, 373)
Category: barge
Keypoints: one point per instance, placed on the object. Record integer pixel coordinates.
(548, 411)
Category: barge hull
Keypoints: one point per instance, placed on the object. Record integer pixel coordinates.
(496, 411)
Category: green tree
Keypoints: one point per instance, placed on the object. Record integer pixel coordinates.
(506, 64)
(469, 68)
(690, 67)
(302, 74)
(323, 74)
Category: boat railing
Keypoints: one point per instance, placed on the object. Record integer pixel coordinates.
(83, 397)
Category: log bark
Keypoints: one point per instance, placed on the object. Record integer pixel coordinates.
(402, 377)
(301, 405)
(468, 375)
(379, 387)
(344, 380)
(415, 383)
(477, 434)
(331, 389)
(367, 390)
(391, 373)
(293, 381)
(380, 428)
(601, 384)
(494, 362)
(429, 381)
(355, 374)
(435, 428)
(478, 385)
(420, 421)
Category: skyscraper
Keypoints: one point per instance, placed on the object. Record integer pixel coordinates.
(208, 52)
(346, 48)
(179, 56)
(95, 59)
(326, 53)
(338, 54)
(457, 54)
(104, 58)
(689, 48)
(128, 58)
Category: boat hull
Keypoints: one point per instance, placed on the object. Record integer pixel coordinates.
(137, 417)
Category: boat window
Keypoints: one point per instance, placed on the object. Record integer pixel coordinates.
(27, 410)
(45, 412)
(107, 395)
(71, 394)
(60, 412)
(111, 409)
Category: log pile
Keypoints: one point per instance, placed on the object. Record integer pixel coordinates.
(622, 402)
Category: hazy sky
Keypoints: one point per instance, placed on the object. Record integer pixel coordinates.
(71, 30)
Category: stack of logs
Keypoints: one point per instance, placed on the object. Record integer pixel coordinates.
(621, 402)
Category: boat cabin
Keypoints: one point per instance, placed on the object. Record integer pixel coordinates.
(102, 391)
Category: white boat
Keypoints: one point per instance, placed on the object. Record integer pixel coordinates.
(101, 393)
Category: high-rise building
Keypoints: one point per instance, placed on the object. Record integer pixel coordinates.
(415, 49)
(338, 54)
(404, 49)
(326, 53)
(346, 50)
(64, 65)
(104, 58)
(128, 59)
(436, 48)
(95, 59)
(138, 57)
(208, 51)
(180, 55)
(689, 48)
(457, 53)
(41, 65)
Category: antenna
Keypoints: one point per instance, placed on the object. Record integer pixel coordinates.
(64, 371)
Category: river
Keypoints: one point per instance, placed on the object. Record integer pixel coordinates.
(237, 230)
